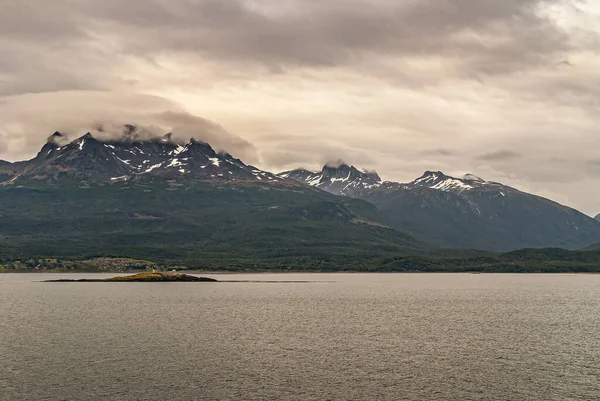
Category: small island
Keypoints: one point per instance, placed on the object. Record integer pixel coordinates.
(141, 278)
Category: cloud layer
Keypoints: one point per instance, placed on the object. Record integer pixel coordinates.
(503, 89)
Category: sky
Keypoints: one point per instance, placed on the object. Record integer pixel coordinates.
(507, 90)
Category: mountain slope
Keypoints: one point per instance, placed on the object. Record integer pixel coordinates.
(470, 212)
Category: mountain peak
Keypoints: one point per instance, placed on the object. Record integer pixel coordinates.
(56, 135)
(129, 129)
(371, 174)
(430, 176)
(337, 177)
(334, 168)
(443, 182)
(57, 139)
(335, 164)
(430, 173)
(446, 183)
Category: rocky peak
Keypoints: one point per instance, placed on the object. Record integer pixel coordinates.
(53, 142)
(87, 158)
(440, 181)
(336, 170)
(56, 139)
(372, 175)
(443, 182)
(341, 170)
(336, 177)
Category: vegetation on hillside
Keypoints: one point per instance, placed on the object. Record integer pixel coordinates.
(221, 226)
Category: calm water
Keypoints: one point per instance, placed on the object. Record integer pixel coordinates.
(347, 337)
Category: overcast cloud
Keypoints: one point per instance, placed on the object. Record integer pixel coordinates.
(507, 90)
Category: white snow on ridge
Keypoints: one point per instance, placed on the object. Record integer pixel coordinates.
(214, 161)
(334, 180)
(446, 183)
(451, 183)
(153, 167)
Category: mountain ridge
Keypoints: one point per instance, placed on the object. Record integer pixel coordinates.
(87, 158)
(467, 212)
(435, 208)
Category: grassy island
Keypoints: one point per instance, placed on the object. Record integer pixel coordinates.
(141, 277)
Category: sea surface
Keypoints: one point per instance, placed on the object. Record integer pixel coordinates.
(334, 337)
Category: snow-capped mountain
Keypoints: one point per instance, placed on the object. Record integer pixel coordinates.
(130, 157)
(338, 178)
(466, 212)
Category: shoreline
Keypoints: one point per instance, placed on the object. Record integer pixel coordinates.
(228, 272)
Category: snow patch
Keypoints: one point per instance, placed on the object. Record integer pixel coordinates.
(451, 183)
(124, 161)
(153, 167)
(180, 148)
(175, 163)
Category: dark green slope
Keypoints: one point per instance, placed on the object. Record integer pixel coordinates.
(481, 219)
(202, 224)
(241, 226)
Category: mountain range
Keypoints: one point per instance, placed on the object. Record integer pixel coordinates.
(465, 212)
(179, 201)
(185, 203)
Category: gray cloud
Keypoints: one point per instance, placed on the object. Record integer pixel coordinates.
(397, 86)
(483, 37)
(500, 155)
(437, 152)
(332, 32)
(104, 114)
